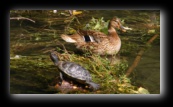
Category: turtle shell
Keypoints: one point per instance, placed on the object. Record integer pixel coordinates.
(74, 71)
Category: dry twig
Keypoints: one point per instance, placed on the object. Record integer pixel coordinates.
(139, 55)
(19, 18)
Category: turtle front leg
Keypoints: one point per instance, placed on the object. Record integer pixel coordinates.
(61, 76)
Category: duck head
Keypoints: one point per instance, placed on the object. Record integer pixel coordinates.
(116, 23)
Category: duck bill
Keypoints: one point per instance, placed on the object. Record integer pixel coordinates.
(122, 28)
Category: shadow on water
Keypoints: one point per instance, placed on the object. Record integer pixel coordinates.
(32, 71)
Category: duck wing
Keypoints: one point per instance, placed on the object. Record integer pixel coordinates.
(92, 36)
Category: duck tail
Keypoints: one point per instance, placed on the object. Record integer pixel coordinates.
(68, 38)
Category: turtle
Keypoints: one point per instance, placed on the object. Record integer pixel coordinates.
(74, 72)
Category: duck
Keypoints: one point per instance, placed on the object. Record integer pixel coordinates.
(97, 42)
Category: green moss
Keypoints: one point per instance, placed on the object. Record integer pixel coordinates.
(35, 73)
(109, 75)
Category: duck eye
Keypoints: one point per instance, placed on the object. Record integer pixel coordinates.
(117, 22)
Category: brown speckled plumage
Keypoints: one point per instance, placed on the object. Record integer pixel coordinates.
(101, 43)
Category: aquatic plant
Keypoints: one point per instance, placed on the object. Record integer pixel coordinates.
(111, 76)
(97, 24)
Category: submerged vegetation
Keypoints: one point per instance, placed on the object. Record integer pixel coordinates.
(32, 71)
(40, 74)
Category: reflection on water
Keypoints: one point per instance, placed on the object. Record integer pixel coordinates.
(147, 73)
(28, 39)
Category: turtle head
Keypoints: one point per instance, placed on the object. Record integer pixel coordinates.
(54, 57)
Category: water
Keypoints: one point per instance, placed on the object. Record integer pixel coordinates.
(147, 73)
(32, 42)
